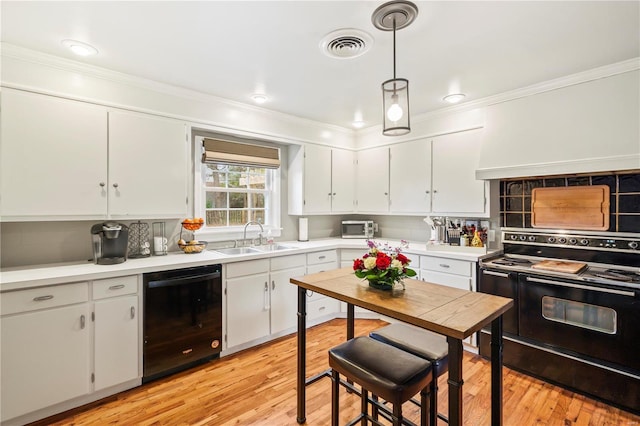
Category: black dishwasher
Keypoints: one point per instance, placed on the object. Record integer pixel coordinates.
(182, 319)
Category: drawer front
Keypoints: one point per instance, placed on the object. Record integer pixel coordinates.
(449, 266)
(321, 307)
(111, 287)
(415, 260)
(322, 257)
(349, 255)
(288, 262)
(250, 267)
(449, 280)
(13, 302)
(321, 267)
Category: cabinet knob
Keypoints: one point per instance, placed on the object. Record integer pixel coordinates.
(434, 191)
(386, 193)
(334, 194)
(102, 184)
(426, 192)
(82, 321)
(115, 185)
(329, 194)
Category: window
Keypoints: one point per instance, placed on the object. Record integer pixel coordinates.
(236, 183)
(235, 194)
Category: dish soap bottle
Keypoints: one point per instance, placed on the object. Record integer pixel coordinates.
(270, 239)
(477, 241)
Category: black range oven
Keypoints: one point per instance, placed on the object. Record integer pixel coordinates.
(576, 318)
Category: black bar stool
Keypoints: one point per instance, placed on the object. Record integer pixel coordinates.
(383, 370)
(424, 344)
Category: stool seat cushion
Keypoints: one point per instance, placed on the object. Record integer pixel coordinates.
(382, 369)
(417, 341)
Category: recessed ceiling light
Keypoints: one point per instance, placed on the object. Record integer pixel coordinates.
(79, 48)
(358, 124)
(259, 98)
(454, 98)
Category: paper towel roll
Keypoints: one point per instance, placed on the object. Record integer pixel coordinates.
(303, 229)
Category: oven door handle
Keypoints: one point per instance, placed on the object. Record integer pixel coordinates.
(182, 280)
(583, 287)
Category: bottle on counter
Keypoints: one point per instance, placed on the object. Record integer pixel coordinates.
(477, 241)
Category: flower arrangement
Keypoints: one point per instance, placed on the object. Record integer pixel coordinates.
(383, 266)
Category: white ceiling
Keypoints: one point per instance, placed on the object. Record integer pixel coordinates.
(233, 49)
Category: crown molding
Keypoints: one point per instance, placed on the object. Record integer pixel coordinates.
(52, 61)
(545, 86)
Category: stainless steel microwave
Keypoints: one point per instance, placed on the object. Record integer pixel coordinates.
(357, 229)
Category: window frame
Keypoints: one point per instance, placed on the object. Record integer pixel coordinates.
(235, 232)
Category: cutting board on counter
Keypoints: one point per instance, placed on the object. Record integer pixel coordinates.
(560, 266)
(571, 207)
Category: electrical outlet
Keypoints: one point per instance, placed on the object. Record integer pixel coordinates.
(491, 235)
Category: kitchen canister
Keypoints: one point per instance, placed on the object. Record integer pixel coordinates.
(159, 239)
(303, 229)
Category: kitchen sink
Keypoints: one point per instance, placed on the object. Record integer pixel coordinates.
(238, 250)
(274, 247)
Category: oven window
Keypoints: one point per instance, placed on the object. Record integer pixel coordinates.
(580, 314)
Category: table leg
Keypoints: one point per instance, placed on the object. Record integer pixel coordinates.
(455, 381)
(302, 354)
(496, 372)
(350, 321)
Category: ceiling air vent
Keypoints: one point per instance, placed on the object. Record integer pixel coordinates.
(346, 43)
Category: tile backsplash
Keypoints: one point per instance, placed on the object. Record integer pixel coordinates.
(515, 198)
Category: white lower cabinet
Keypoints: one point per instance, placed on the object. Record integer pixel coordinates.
(318, 305)
(260, 300)
(284, 295)
(51, 348)
(45, 357)
(116, 322)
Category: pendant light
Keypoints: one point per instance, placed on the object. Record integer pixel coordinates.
(393, 16)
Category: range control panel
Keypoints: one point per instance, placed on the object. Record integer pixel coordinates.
(573, 240)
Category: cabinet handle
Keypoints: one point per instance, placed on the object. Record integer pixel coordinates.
(133, 312)
(321, 308)
(102, 184)
(82, 321)
(444, 265)
(273, 285)
(321, 257)
(266, 296)
(116, 287)
(43, 298)
(115, 185)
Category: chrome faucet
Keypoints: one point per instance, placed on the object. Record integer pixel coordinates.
(252, 222)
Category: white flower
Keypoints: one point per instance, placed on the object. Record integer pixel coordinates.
(395, 263)
(370, 262)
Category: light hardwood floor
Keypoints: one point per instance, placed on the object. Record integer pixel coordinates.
(258, 387)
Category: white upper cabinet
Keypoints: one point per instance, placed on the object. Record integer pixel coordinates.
(321, 180)
(455, 188)
(372, 180)
(69, 160)
(410, 177)
(147, 166)
(53, 157)
(343, 182)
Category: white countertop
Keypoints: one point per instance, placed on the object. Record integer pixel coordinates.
(41, 275)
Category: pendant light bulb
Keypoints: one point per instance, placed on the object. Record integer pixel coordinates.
(395, 112)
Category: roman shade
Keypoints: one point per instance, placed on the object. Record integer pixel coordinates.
(225, 152)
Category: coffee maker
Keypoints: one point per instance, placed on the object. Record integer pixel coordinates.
(110, 242)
